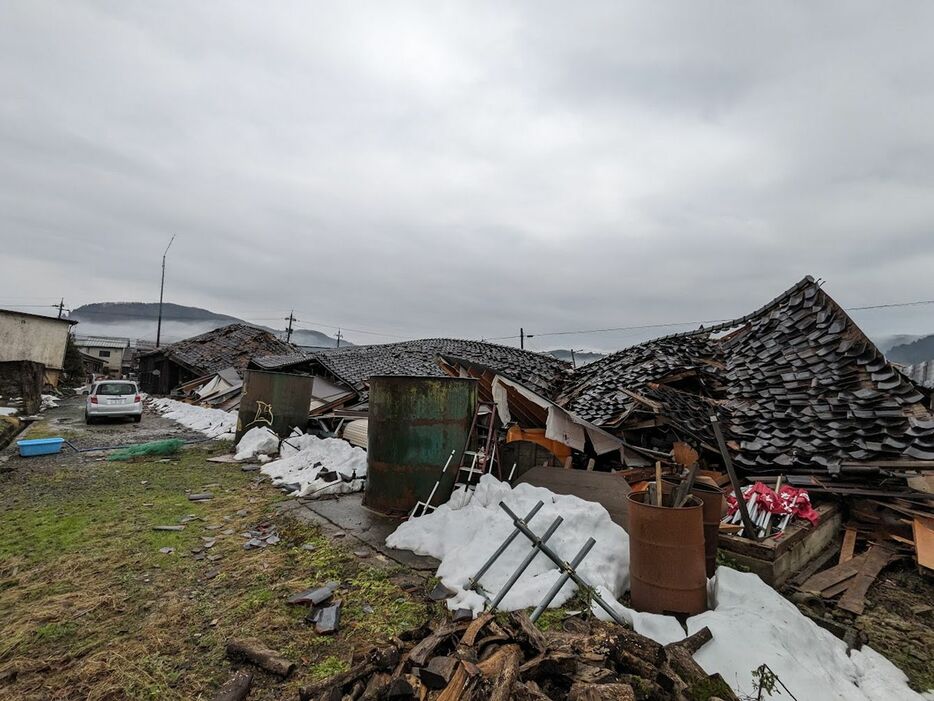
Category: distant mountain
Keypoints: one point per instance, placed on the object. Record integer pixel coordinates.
(914, 352)
(886, 343)
(580, 357)
(138, 320)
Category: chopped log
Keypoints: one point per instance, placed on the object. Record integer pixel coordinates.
(493, 665)
(477, 625)
(420, 653)
(528, 631)
(400, 688)
(834, 575)
(460, 687)
(377, 687)
(509, 673)
(381, 659)
(601, 692)
(236, 688)
(439, 671)
(695, 642)
(261, 656)
(550, 664)
(528, 691)
(854, 598)
(592, 674)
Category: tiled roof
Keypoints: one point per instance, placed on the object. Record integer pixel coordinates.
(795, 383)
(229, 346)
(355, 364)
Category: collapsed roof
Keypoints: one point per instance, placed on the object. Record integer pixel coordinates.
(226, 347)
(354, 365)
(796, 384)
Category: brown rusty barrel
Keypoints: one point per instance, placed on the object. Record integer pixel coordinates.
(666, 557)
(414, 423)
(712, 499)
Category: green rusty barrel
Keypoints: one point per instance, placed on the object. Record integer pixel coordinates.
(276, 400)
(413, 425)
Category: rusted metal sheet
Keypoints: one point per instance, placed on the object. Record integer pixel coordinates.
(274, 399)
(606, 489)
(666, 557)
(414, 423)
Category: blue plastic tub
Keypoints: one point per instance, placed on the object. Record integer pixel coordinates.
(39, 446)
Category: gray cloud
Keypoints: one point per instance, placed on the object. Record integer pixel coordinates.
(466, 168)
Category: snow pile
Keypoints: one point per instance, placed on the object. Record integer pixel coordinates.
(214, 423)
(256, 442)
(8, 411)
(49, 401)
(464, 538)
(308, 464)
(751, 623)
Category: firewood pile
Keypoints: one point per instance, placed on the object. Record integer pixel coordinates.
(508, 657)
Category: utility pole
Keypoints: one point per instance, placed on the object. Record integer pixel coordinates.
(521, 338)
(288, 332)
(338, 338)
(161, 290)
(573, 362)
(61, 307)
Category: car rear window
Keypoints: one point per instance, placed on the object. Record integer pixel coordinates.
(114, 389)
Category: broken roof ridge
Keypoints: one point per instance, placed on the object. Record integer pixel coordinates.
(723, 325)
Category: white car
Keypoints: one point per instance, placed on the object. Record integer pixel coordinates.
(113, 398)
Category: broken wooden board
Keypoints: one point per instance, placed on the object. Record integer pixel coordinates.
(608, 490)
(854, 599)
(829, 577)
(849, 545)
(923, 529)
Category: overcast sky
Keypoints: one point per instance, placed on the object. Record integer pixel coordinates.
(462, 169)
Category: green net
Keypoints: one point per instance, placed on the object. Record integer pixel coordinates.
(166, 447)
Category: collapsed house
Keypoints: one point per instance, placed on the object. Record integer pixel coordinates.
(199, 358)
(798, 387)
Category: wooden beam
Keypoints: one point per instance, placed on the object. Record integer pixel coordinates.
(849, 545)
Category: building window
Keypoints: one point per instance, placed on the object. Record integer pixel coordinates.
(105, 354)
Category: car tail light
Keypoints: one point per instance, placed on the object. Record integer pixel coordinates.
(137, 399)
(93, 399)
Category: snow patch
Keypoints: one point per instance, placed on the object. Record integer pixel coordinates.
(49, 401)
(463, 538)
(255, 442)
(303, 459)
(214, 423)
(751, 623)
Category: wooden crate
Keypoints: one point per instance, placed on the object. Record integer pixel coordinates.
(776, 560)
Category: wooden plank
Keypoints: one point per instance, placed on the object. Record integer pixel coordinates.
(923, 529)
(849, 545)
(854, 598)
(608, 490)
(834, 575)
(837, 589)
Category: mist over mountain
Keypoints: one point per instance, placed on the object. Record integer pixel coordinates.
(137, 320)
(915, 352)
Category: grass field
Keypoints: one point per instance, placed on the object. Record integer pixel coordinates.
(91, 609)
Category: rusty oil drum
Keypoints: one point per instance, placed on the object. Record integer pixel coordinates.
(712, 499)
(413, 425)
(666, 557)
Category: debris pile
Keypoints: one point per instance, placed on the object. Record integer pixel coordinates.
(213, 423)
(510, 658)
(312, 467)
(256, 443)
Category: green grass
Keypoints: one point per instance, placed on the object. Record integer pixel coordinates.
(89, 598)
